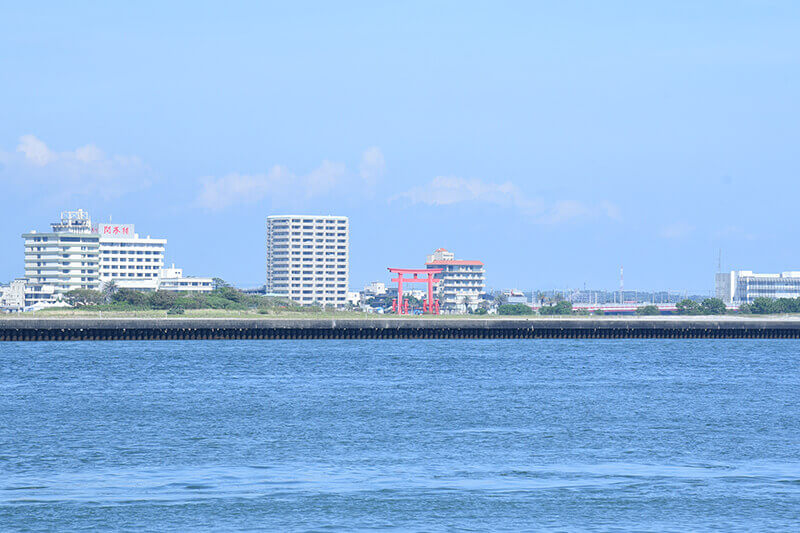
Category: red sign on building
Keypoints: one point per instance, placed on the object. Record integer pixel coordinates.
(115, 230)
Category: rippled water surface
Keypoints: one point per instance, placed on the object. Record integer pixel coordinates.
(409, 435)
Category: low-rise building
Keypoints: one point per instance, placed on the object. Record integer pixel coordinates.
(462, 283)
(172, 279)
(515, 296)
(12, 296)
(743, 286)
(353, 298)
(375, 288)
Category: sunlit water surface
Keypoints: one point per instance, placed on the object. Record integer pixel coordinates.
(408, 435)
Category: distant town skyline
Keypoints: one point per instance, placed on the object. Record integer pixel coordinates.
(554, 143)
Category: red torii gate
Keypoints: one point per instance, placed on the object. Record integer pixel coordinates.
(399, 304)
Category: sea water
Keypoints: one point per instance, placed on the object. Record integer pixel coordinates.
(433, 435)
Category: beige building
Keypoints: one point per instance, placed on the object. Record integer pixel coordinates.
(308, 258)
(462, 283)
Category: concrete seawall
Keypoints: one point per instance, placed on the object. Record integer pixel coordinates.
(62, 329)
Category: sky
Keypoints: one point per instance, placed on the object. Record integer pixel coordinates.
(554, 141)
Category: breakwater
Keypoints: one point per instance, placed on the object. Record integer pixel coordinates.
(65, 329)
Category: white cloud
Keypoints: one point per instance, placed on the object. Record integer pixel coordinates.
(89, 153)
(35, 150)
(372, 165)
(324, 178)
(286, 187)
(450, 190)
(242, 188)
(676, 230)
(83, 171)
(279, 182)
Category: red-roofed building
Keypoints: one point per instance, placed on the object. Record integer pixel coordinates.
(462, 283)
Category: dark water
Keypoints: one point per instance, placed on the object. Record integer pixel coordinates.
(408, 435)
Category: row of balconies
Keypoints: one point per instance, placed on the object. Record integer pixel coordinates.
(59, 254)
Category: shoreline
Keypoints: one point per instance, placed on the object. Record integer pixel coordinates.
(184, 328)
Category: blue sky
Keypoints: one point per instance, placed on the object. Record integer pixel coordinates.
(554, 141)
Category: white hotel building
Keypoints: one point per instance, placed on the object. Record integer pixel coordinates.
(62, 260)
(308, 258)
(130, 261)
(462, 283)
(77, 255)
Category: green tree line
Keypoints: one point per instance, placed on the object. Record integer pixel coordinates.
(222, 297)
(768, 306)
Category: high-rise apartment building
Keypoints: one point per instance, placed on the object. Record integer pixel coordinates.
(308, 258)
(462, 283)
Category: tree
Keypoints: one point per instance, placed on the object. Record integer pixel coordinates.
(229, 293)
(763, 306)
(219, 283)
(161, 299)
(648, 310)
(787, 305)
(83, 297)
(688, 307)
(713, 306)
(515, 309)
(130, 297)
(560, 308)
(500, 299)
(109, 289)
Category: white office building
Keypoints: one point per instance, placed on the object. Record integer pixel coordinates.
(743, 286)
(308, 258)
(463, 281)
